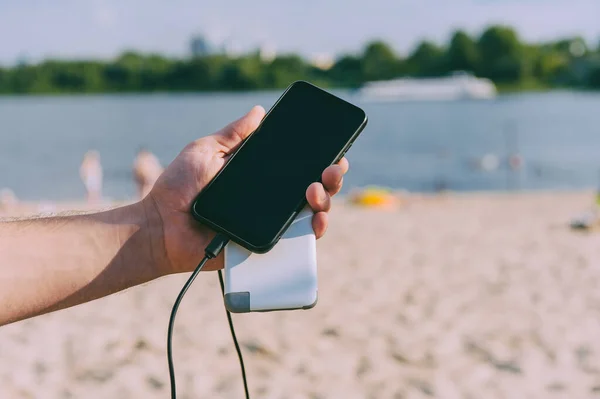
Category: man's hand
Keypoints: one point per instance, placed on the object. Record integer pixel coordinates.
(79, 258)
(181, 240)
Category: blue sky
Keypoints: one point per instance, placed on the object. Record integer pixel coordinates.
(102, 28)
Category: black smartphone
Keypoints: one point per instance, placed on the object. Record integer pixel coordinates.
(262, 187)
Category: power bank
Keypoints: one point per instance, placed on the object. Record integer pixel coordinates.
(285, 278)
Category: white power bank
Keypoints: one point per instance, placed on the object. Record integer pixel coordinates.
(285, 278)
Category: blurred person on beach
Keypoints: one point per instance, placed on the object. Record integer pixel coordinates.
(146, 170)
(79, 258)
(91, 175)
(8, 200)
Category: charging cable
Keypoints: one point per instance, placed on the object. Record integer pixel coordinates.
(212, 251)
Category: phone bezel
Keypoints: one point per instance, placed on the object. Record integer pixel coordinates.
(239, 240)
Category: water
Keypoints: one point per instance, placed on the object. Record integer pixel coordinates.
(414, 146)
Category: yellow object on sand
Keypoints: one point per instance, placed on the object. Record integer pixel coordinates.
(375, 197)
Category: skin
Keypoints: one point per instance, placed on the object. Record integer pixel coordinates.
(52, 263)
(146, 170)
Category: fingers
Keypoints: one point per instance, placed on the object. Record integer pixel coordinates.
(233, 134)
(318, 199)
(333, 176)
(320, 202)
(332, 179)
(319, 224)
(344, 164)
(319, 195)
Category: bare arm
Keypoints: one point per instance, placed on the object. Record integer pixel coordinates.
(52, 263)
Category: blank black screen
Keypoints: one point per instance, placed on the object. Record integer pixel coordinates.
(266, 181)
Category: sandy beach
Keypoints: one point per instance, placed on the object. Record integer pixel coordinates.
(459, 296)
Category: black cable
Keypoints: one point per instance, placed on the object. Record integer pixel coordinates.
(235, 341)
(172, 322)
(212, 251)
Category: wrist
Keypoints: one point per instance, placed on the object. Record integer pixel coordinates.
(152, 230)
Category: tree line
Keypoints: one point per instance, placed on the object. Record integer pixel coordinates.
(497, 53)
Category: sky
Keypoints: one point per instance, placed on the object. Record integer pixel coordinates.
(38, 29)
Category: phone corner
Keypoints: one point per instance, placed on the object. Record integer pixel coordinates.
(262, 249)
(301, 82)
(362, 118)
(193, 211)
(365, 118)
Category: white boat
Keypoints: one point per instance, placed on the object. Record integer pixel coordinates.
(457, 86)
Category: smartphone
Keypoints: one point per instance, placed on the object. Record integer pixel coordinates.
(262, 187)
(285, 278)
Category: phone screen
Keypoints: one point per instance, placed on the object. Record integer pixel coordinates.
(264, 184)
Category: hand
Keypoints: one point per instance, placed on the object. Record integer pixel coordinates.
(181, 240)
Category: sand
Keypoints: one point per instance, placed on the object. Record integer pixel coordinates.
(463, 296)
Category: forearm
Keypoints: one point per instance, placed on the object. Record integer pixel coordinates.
(52, 263)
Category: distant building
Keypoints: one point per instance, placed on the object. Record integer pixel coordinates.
(322, 61)
(267, 53)
(22, 60)
(577, 48)
(200, 47)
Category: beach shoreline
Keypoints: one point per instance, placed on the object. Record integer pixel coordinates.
(32, 207)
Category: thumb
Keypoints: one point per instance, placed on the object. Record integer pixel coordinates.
(234, 133)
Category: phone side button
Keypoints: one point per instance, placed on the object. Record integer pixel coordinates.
(345, 151)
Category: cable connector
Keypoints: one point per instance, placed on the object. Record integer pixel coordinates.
(216, 246)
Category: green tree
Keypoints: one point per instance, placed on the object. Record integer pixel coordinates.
(594, 78)
(573, 46)
(254, 67)
(153, 73)
(426, 60)
(4, 80)
(235, 77)
(462, 54)
(68, 80)
(116, 78)
(497, 54)
(550, 66)
(127, 69)
(285, 69)
(347, 71)
(23, 79)
(201, 73)
(379, 62)
(501, 55)
(73, 76)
